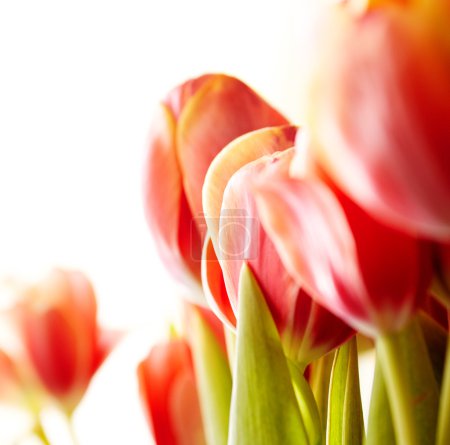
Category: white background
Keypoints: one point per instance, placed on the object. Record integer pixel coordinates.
(79, 81)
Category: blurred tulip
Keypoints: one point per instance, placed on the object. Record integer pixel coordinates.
(370, 275)
(378, 108)
(169, 394)
(10, 383)
(191, 126)
(58, 326)
(307, 329)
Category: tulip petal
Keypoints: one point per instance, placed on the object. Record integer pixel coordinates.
(241, 239)
(214, 286)
(235, 155)
(222, 109)
(379, 108)
(369, 275)
(167, 210)
(168, 393)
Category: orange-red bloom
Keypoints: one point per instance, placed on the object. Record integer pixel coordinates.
(169, 394)
(308, 330)
(368, 274)
(378, 107)
(10, 383)
(58, 327)
(191, 126)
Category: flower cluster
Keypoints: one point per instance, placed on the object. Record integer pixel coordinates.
(301, 248)
(335, 228)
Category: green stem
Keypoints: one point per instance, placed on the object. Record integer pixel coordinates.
(389, 353)
(443, 432)
(40, 432)
(71, 429)
(320, 385)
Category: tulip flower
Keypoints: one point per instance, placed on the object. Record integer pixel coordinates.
(192, 125)
(169, 394)
(308, 330)
(370, 275)
(378, 106)
(58, 327)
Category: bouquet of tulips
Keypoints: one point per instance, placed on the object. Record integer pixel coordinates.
(312, 243)
(301, 247)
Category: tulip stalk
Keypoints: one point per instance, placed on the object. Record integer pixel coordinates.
(39, 432)
(410, 383)
(389, 353)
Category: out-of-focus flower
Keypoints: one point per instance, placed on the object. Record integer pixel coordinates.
(10, 384)
(194, 122)
(57, 323)
(169, 394)
(308, 330)
(368, 274)
(378, 107)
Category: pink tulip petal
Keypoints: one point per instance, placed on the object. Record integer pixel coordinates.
(380, 106)
(238, 153)
(167, 210)
(214, 286)
(241, 238)
(222, 109)
(367, 274)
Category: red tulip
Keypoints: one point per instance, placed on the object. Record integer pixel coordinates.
(368, 274)
(378, 108)
(308, 330)
(58, 326)
(169, 394)
(191, 126)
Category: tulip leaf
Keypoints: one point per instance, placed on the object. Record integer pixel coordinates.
(307, 404)
(320, 384)
(213, 381)
(443, 432)
(264, 409)
(345, 416)
(380, 429)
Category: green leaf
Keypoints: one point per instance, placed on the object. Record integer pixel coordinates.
(443, 433)
(264, 408)
(320, 385)
(345, 416)
(213, 381)
(307, 404)
(380, 429)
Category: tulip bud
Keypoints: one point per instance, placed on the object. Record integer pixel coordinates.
(368, 274)
(378, 106)
(307, 329)
(58, 328)
(169, 394)
(191, 126)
